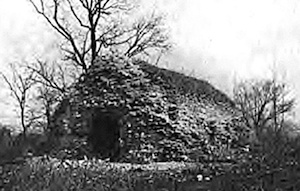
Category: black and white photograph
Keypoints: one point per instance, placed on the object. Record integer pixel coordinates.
(149, 95)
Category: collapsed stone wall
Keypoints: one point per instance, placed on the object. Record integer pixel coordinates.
(154, 117)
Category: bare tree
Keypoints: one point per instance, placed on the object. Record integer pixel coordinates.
(263, 102)
(51, 75)
(93, 26)
(52, 81)
(144, 35)
(20, 84)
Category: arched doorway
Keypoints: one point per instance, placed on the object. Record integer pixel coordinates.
(104, 133)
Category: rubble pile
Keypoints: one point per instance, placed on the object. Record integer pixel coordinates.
(131, 111)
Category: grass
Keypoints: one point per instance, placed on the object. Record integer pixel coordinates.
(52, 174)
(47, 174)
(258, 172)
(274, 166)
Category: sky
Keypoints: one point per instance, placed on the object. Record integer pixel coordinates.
(216, 40)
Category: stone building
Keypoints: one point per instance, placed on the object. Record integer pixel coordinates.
(133, 111)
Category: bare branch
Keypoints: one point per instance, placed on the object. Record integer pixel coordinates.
(76, 16)
(87, 27)
(261, 103)
(19, 86)
(47, 76)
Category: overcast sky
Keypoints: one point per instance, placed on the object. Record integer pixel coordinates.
(216, 39)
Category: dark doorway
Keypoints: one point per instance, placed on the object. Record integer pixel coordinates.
(105, 133)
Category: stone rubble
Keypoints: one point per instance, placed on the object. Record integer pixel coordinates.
(163, 115)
